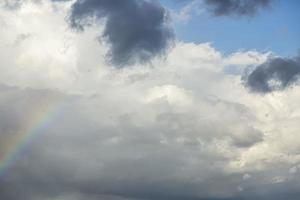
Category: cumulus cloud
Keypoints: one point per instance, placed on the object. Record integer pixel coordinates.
(236, 7)
(136, 30)
(275, 74)
(182, 128)
(97, 148)
(120, 151)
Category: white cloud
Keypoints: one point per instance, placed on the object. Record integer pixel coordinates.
(185, 14)
(177, 127)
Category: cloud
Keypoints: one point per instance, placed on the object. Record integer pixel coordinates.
(11, 4)
(236, 7)
(179, 129)
(185, 14)
(137, 30)
(120, 152)
(275, 74)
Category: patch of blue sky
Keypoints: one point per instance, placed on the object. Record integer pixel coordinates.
(276, 29)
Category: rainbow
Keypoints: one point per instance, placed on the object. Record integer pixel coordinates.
(44, 113)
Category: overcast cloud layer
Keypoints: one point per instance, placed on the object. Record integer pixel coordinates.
(180, 127)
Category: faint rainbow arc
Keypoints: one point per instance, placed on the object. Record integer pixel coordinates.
(36, 125)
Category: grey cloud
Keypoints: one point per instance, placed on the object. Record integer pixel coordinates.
(11, 4)
(85, 154)
(247, 137)
(22, 37)
(16, 4)
(273, 75)
(137, 30)
(236, 7)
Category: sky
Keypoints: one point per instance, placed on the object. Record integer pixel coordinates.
(276, 29)
(149, 100)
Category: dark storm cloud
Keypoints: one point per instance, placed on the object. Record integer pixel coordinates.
(137, 30)
(275, 74)
(236, 7)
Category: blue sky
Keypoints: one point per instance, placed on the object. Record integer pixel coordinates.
(276, 29)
